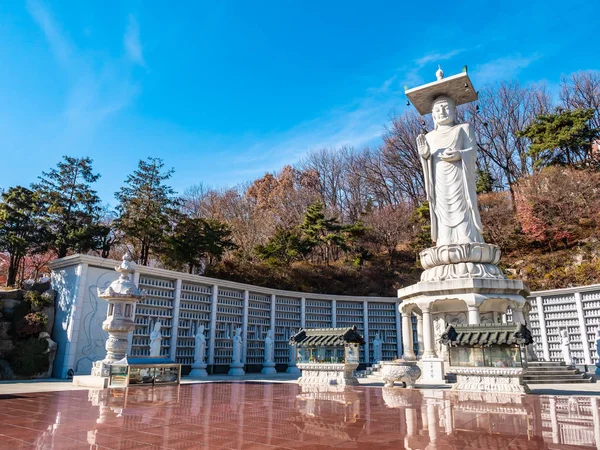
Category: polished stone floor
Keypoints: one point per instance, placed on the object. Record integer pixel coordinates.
(261, 415)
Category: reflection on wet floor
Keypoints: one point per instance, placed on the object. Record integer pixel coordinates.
(245, 415)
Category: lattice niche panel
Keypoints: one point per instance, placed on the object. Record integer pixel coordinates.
(318, 313)
(287, 323)
(230, 309)
(259, 321)
(194, 310)
(382, 319)
(158, 305)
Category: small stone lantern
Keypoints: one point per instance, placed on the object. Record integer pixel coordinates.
(121, 295)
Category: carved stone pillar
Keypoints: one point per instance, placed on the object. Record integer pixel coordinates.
(407, 337)
(420, 336)
(429, 350)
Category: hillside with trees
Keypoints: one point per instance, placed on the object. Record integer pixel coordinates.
(341, 220)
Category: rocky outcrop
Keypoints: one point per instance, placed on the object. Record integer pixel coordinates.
(24, 312)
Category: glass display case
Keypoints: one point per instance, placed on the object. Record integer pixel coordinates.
(490, 357)
(144, 371)
(328, 355)
(493, 356)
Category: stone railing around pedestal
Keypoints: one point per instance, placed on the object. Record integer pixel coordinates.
(489, 379)
(455, 261)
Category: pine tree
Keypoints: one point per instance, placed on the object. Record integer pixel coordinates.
(21, 232)
(147, 208)
(195, 242)
(562, 138)
(71, 206)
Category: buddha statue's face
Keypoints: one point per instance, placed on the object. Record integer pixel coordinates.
(444, 111)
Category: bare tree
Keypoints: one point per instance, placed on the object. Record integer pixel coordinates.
(582, 90)
(505, 109)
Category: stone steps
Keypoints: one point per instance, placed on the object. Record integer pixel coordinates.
(552, 372)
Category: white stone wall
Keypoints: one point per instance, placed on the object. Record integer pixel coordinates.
(577, 310)
(182, 301)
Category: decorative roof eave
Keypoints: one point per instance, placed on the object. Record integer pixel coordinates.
(327, 337)
(486, 335)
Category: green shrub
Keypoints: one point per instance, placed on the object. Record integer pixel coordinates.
(32, 324)
(29, 357)
(37, 300)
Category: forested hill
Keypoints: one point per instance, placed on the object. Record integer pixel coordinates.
(342, 220)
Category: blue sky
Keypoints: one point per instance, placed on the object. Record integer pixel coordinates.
(226, 91)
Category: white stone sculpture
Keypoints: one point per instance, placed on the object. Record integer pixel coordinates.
(269, 355)
(449, 156)
(155, 339)
(406, 372)
(200, 349)
(237, 367)
(377, 350)
(565, 347)
(51, 351)
(122, 295)
(199, 366)
(269, 363)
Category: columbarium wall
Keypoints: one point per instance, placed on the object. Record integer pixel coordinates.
(182, 301)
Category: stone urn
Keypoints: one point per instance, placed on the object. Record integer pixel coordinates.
(406, 372)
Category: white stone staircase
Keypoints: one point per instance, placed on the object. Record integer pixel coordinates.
(371, 372)
(545, 372)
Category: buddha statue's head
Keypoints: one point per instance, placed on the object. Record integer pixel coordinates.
(443, 111)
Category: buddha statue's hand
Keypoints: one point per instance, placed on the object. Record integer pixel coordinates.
(450, 154)
(423, 146)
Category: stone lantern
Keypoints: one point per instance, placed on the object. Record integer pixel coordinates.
(121, 295)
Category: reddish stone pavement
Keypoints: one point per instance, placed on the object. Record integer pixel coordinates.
(238, 415)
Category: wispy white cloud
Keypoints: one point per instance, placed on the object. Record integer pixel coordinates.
(412, 74)
(437, 57)
(98, 88)
(132, 42)
(58, 43)
(358, 124)
(504, 68)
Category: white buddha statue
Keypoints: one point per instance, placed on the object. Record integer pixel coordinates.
(200, 349)
(269, 351)
(155, 339)
(237, 346)
(449, 155)
(377, 350)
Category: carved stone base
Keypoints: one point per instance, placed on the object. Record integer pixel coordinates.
(328, 374)
(406, 372)
(462, 270)
(456, 261)
(100, 369)
(198, 371)
(268, 368)
(236, 369)
(489, 379)
(90, 381)
(475, 252)
(432, 371)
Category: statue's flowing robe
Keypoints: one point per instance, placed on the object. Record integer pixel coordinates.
(451, 187)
